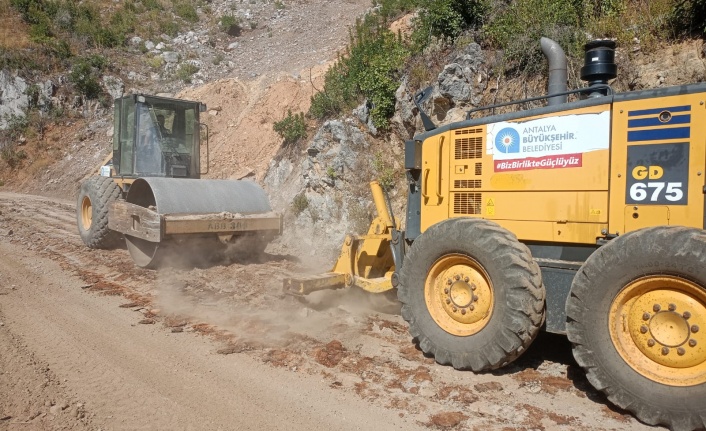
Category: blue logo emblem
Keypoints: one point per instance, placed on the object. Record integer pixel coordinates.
(508, 140)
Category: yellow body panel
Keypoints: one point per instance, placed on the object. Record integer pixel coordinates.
(644, 151)
(463, 176)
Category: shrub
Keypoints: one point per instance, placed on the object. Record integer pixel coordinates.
(186, 71)
(517, 28)
(689, 17)
(12, 156)
(300, 203)
(16, 126)
(370, 70)
(385, 172)
(168, 27)
(447, 18)
(291, 128)
(231, 25)
(186, 11)
(85, 74)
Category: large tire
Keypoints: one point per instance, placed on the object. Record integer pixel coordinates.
(472, 294)
(634, 315)
(94, 198)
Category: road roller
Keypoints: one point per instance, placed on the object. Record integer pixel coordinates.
(151, 194)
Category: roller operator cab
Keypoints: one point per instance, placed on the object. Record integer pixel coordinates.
(156, 137)
(154, 198)
(584, 217)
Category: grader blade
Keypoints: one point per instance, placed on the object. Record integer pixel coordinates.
(366, 261)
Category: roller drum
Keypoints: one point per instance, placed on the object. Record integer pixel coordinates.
(190, 196)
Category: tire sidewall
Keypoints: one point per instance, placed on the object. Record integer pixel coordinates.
(471, 238)
(615, 265)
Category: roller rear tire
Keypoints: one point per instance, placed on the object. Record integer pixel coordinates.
(94, 198)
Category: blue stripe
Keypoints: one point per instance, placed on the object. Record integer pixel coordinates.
(654, 121)
(658, 134)
(658, 110)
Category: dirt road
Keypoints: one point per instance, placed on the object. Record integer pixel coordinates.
(88, 341)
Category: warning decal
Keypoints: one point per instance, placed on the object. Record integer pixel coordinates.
(547, 143)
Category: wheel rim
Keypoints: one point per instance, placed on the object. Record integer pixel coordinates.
(459, 295)
(86, 213)
(657, 325)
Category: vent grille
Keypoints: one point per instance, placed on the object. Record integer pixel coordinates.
(467, 184)
(479, 168)
(467, 203)
(469, 148)
(469, 131)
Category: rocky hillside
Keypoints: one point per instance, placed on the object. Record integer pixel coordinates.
(251, 78)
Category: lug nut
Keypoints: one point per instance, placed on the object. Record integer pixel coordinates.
(651, 342)
(646, 316)
(446, 291)
(463, 311)
(686, 315)
(692, 343)
(681, 351)
(656, 308)
(449, 282)
(694, 328)
(448, 301)
(454, 309)
(672, 307)
(458, 277)
(643, 329)
(473, 287)
(471, 307)
(466, 279)
(665, 350)
(475, 298)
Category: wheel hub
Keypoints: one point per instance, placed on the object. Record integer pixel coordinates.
(86, 213)
(657, 325)
(665, 324)
(458, 294)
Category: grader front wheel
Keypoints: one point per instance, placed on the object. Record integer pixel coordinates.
(472, 294)
(636, 318)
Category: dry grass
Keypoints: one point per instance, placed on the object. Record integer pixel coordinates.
(13, 32)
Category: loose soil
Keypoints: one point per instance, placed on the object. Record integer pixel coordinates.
(89, 341)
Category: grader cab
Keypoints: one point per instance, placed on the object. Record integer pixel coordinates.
(582, 217)
(153, 194)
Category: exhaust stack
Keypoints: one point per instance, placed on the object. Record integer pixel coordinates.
(557, 70)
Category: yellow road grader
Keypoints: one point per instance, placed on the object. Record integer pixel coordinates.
(153, 196)
(582, 217)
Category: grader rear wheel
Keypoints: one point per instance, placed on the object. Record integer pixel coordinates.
(472, 294)
(94, 198)
(637, 320)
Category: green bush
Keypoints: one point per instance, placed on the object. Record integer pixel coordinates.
(186, 71)
(688, 17)
(186, 11)
(231, 25)
(12, 156)
(85, 74)
(517, 28)
(386, 173)
(447, 19)
(16, 126)
(370, 70)
(300, 203)
(291, 128)
(168, 27)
